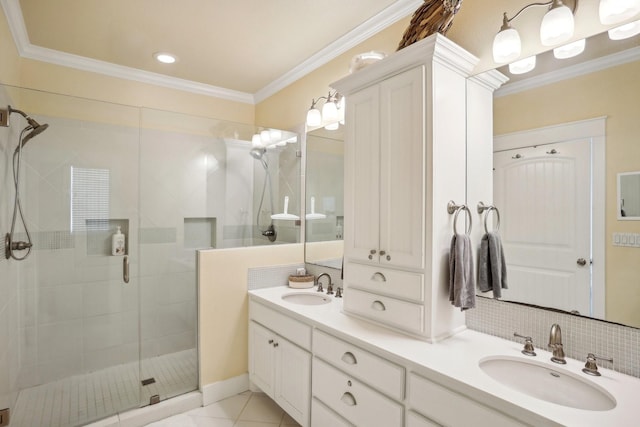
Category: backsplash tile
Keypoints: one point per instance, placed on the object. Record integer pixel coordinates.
(580, 335)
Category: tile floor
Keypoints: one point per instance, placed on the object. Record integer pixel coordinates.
(243, 410)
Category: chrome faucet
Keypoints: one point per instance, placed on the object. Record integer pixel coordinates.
(555, 344)
(329, 286)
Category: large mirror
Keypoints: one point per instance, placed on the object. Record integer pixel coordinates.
(629, 196)
(324, 197)
(540, 214)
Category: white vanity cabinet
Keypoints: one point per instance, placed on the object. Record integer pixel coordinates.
(405, 151)
(280, 360)
(363, 388)
(443, 406)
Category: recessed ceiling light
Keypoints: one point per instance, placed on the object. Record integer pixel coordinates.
(164, 57)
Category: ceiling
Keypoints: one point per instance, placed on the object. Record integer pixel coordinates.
(242, 50)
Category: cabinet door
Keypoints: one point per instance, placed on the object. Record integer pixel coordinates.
(261, 358)
(293, 380)
(362, 176)
(402, 160)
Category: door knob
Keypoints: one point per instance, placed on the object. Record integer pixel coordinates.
(581, 262)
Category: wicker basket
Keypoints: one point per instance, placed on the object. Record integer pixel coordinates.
(301, 282)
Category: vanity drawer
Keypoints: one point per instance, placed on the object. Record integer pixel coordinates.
(395, 283)
(356, 402)
(390, 311)
(450, 408)
(285, 326)
(321, 416)
(376, 371)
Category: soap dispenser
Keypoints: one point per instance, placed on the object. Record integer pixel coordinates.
(117, 243)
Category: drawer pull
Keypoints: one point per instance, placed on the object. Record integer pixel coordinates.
(378, 305)
(348, 399)
(349, 358)
(378, 277)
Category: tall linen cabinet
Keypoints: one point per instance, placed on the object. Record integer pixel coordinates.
(405, 159)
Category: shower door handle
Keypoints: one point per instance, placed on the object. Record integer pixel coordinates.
(125, 269)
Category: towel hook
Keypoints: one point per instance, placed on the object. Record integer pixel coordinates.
(453, 208)
(481, 208)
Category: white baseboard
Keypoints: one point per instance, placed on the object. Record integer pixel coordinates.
(222, 389)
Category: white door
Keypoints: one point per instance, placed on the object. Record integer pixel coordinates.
(402, 161)
(543, 194)
(293, 380)
(362, 177)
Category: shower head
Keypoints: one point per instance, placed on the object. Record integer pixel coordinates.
(36, 127)
(257, 152)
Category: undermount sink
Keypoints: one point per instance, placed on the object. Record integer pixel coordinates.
(305, 298)
(541, 381)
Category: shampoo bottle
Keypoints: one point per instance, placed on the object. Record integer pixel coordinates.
(117, 243)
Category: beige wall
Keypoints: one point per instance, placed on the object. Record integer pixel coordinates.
(612, 93)
(224, 305)
(16, 71)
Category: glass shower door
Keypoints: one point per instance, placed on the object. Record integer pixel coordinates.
(78, 323)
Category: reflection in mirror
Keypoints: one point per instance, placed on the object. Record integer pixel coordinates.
(603, 88)
(324, 197)
(629, 196)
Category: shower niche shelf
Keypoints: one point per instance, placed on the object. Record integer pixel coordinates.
(99, 232)
(200, 233)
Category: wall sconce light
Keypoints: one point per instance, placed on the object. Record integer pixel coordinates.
(557, 27)
(332, 111)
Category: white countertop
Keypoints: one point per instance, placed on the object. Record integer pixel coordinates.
(454, 364)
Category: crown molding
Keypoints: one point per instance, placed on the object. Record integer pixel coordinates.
(587, 67)
(388, 16)
(367, 29)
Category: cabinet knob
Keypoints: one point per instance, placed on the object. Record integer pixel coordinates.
(270, 341)
(275, 344)
(388, 257)
(372, 251)
(382, 253)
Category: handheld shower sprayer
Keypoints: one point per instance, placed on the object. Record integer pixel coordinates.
(10, 245)
(258, 154)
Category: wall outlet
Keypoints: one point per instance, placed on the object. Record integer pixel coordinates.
(5, 417)
(4, 117)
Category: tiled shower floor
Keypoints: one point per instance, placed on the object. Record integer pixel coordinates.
(81, 399)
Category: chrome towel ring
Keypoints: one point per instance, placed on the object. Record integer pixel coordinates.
(482, 208)
(453, 208)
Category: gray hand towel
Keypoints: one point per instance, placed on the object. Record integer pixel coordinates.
(492, 268)
(462, 286)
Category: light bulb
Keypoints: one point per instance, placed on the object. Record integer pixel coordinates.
(332, 126)
(614, 11)
(265, 137)
(506, 46)
(569, 50)
(523, 66)
(314, 118)
(625, 31)
(557, 26)
(329, 112)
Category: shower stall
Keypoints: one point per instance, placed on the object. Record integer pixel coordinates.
(89, 334)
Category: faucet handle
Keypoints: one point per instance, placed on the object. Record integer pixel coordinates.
(320, 289)
(528, 344)
(590, 367)
(339, 292)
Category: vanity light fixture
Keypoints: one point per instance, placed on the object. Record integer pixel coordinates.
(523, 66)
(165, 58)
(625, 31)
(332, 111)
(615, 11)
(570, 50)
(557, 27)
